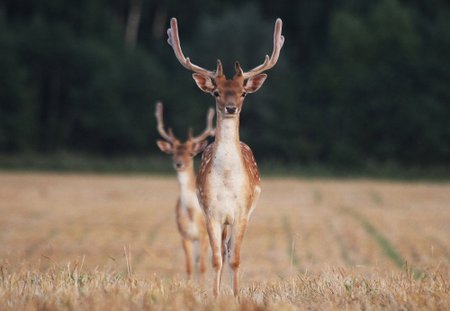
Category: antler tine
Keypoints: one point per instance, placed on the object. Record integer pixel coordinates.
(209, 131)
(174, 41)
(159, 118)
(278, 41)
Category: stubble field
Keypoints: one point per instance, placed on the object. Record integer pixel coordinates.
(99, 242)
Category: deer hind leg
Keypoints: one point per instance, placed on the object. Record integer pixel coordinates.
(215, 239)
(237, 235)
(187, 247)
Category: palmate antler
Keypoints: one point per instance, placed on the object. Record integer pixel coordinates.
(174, 41)
(160, 120)
(209, 131)
(170, 137)
(278, 41)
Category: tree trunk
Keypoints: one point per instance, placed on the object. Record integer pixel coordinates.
(134, 18)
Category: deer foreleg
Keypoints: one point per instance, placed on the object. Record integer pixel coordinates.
(237, 235)
(215, 239)
(187, 247)
(203, 248)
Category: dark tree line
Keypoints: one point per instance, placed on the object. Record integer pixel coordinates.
(357, 81)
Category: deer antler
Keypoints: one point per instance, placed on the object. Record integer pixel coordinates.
(278, 41)
(209, 131)
(159, 118)
(174, 41)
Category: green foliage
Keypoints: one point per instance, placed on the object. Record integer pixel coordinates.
(357, 83)
(15, 115)
(370, 90)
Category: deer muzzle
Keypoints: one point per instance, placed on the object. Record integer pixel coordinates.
(230, 109)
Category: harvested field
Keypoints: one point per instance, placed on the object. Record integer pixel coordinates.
(96, 242)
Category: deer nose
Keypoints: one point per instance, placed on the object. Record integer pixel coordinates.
(178, 164)
(230, 109)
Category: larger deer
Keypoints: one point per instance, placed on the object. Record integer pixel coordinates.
(189, 216)
(228, 183)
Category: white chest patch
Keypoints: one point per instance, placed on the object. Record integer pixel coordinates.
(188, 200)
(228, 194)
(188, 197)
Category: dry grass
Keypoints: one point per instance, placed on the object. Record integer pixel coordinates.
(87, 242)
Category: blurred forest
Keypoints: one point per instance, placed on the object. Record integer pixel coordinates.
(357, 82)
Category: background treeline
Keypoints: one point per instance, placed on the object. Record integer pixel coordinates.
(357, 82)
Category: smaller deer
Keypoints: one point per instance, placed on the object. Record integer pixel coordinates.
(189, 216)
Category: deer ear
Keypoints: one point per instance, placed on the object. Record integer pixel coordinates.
(254, 83)
(199, 147)
(165, 146)
(205, 83)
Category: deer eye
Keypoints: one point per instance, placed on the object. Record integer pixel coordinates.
(244, 94)
(216, 94)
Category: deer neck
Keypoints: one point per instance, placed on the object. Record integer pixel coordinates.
(227, 132)
(227, 144)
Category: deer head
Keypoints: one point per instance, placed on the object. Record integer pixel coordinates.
(182, 152)
(229, 93)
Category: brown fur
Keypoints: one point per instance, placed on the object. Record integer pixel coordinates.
(228, 184)
(193, 217)
(189, 217)
(205, 169)
(228, 93)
